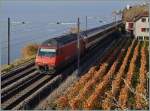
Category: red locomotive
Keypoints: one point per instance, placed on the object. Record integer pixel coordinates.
(55, 53)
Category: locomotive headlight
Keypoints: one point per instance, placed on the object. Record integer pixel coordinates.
(38, 63)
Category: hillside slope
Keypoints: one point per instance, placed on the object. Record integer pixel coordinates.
(129, 14)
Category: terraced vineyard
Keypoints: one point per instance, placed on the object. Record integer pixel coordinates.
(120, 81)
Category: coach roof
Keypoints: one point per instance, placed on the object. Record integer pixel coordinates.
(60, 40)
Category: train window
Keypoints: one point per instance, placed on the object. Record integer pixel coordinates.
(47, 52)
(50, 42)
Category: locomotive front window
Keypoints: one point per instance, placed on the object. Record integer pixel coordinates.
(47, 52)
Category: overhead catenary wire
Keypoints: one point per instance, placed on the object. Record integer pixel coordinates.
(31, 24)
(34, 36)
(26, 34)
(31, 29)
(27, 41)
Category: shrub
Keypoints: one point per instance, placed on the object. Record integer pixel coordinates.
(28, 53)
(29, 50)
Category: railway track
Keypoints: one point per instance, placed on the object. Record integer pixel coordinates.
(18, 69)
(17, 76)
(26, 84)
(22, 94)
